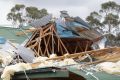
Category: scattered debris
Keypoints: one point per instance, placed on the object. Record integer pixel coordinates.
(10, 70)
(58, 43)
(109, 67)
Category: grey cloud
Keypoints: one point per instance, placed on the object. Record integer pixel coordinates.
(80, 8)
(54, 3)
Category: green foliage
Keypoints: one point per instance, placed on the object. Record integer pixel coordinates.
(32, 12)
(10, 16)
(43, 12)
(19, 6)
(111, 19)
(35, 13)
(16, 13)
(118, 9)
(108, 16)
(108, 7)
(94, 19)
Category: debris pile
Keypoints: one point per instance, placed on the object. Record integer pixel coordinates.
(71, 35)
(109, 67)
(57, 43)
(10, 70)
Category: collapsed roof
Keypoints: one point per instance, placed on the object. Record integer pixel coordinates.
(69, 27)
(75, 27)
(63, 35)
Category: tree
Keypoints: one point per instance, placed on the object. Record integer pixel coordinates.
(109, 13)
(94, 20)
(111, 18)
(32, 12)
(108, 7)
(117, 9)
(16, 14)
(112, 21)
(35, 13)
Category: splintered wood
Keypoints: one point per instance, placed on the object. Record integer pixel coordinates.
(26, 31)
(106, 53)
(46, 41)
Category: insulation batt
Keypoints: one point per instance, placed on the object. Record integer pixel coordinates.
(69, 61)
(66, 54)
(6, 60)
(118, 63)
(6, 57)
(46, 64)
(53, 55)
(10, 70)
(40, 59)
(50, 63)
(57, 63)
(109, 67)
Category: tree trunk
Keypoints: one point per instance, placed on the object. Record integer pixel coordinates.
(109, 28)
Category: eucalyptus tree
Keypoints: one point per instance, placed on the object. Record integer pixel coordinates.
(112, 21)
(118, 9)
(15, 15)
(110, 12)
(19, 14)
(109, 19)
(94, 19)
(35, 13)
(43, 12)
(108, 7)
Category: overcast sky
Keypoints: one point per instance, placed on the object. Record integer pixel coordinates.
(80, 8)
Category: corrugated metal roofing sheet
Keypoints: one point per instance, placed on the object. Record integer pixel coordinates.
(72, 27)
(42, 21)
(79, 20)
(10, 34)
(76, 29)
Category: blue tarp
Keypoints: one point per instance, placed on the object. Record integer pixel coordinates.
(66, 29)
(63, 32)
(2, 40)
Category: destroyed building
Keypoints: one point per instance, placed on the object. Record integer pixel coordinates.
(60, 47)
(62, 35)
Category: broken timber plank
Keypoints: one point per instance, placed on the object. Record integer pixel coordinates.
(26, 31)
(87, 52)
